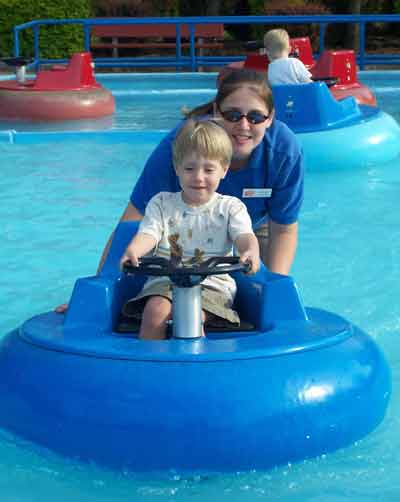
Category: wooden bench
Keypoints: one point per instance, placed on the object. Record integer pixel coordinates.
(154, 36)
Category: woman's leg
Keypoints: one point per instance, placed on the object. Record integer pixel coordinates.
(156, 313)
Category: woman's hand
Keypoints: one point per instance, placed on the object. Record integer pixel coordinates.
(61, 309)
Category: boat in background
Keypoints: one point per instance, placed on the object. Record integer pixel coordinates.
(325, 113)
(64, 92)
(337, 68)
(335, 133)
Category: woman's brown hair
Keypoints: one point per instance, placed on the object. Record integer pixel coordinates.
(237, 79)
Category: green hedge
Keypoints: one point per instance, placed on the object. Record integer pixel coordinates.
(55, 41)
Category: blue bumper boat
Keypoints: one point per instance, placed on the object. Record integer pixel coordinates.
(290, 383)
(336, 134)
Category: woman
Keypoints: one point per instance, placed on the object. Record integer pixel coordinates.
(266, 172)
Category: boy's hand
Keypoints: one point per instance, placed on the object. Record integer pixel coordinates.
(140, 245)
(129, 255)
(253, 259)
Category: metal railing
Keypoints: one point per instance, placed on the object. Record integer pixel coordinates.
(195, 60)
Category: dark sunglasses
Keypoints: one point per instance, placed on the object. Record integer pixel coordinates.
(253, 116)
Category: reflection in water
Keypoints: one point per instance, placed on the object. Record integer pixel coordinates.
(98, 124)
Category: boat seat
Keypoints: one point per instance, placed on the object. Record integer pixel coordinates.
(311, 107)
(130, 325)
(96, 303)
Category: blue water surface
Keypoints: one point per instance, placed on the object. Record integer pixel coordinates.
(61, 200)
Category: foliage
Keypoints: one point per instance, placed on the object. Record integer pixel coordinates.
(62, 41)
(55, 41)
(337, 6)
(297, 8)
(200, 8)
(135, 8)
(375, 7)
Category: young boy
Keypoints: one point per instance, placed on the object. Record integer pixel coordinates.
(198, 221)
(283, 69)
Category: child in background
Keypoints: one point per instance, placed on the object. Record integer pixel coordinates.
(283, 69)
(199, 221)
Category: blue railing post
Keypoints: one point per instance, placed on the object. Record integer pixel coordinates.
(178, 46)
(36, 47)
(362, 45)
(193, 62)
(322, 29)
(86, 37)
(16, 41)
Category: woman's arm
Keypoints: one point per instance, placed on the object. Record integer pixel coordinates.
(286, 177)
(130, 214)
(281, 248)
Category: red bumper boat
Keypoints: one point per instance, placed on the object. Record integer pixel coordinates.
(65, 92)
(337, 68)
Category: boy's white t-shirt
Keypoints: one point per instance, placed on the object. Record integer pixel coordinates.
(211, 228)
(287, 71)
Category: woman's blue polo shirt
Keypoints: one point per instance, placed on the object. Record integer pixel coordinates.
(271, 184)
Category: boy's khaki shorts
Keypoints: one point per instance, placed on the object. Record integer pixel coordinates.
(213, 302)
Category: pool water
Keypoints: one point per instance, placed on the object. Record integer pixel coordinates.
(59, 203)
(155, 101)
(143, 101)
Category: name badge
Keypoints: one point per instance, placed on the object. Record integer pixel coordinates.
(256, 192)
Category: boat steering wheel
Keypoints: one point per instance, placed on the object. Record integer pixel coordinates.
(17, 61)
(186, 275)
(329, 81)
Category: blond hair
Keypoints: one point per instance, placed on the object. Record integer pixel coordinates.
(276, 42)
(203, 137)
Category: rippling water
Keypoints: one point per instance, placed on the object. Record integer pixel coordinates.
(59, 202)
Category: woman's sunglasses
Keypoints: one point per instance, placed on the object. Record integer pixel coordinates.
(253, 116)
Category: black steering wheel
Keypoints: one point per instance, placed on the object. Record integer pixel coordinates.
(17, 61)
(329, 81)
(186, 275)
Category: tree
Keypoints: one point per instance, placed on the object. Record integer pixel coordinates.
(200, 8)
(352, 30)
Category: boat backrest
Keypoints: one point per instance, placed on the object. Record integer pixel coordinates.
(301, 48)
(338, 64)
(97, 301)
(261, 299)
(266, 298)
(122, 237)
(77, 74)
(258, 62)
(311, 107)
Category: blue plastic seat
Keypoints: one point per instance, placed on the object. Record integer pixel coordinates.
(311, 107)
(262, 299)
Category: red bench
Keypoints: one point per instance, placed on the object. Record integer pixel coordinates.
(154, 36)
